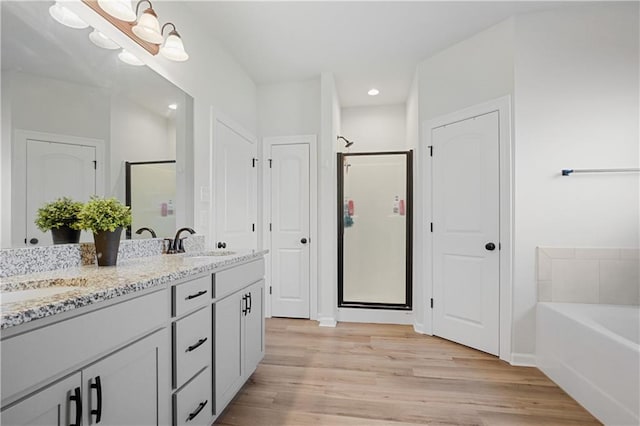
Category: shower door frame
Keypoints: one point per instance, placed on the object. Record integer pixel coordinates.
(408, 305)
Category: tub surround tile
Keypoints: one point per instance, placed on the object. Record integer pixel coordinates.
(615, 279)
(93, 284)
(591, 275)
(575, 281)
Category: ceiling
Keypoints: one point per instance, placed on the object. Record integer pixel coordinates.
(365, 44)
(34, 43)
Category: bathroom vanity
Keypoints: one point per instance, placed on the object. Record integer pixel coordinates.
(158, 340)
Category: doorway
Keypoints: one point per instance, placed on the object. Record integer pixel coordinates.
(290, 207)
(467, 207)
(375, 204)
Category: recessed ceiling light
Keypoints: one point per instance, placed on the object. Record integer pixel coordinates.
(173, 106)
(102, 40)
(129, 58)
(373, 92)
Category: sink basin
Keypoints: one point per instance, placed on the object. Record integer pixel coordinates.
(33, 293)
(212, 253)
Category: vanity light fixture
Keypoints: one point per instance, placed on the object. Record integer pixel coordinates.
(102, 40)
(173, 107)
(173, 48)
(373, 92)
(66, 17)
(129, 58)
(148, 27)
(120, 9)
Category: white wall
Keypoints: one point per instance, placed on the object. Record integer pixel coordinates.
(374, 128)
(137, 134)
(576, 106)
(330, 127)
(287, 109)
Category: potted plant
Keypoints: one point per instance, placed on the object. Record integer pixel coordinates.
(61, 217)
(105, 217)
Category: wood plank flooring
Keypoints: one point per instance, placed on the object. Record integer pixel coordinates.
(372, 374)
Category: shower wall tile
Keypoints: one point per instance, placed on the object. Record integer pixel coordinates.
(589, 275)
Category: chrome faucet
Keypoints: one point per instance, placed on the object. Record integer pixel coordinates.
(151, 231)
(176, 245)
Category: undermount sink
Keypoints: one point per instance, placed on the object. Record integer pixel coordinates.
(32, 293)
(211, 253)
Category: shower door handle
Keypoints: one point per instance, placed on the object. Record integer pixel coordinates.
(303, 241)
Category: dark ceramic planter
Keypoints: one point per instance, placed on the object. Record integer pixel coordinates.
(107, 244)
(65, 235)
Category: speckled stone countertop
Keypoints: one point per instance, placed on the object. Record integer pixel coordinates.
(93, 284)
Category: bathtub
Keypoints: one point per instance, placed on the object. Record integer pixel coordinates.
(593, 353)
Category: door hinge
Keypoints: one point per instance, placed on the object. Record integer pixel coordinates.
(270, 290)
(431, 226)
(95, 165)
(253, 227)
(430, 150)
(270, 162)
(499, 246)
(432, 303)
(253, 162)
(270, 228)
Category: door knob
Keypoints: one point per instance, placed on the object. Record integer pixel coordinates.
(33, 241)
(490, 246)
(303, 241)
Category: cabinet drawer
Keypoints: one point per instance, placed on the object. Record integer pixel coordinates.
(190, 295)
(191, 345)
(192, 404)
(231, 280)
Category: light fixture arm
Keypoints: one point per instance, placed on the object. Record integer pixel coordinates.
(140, 2)
(174, 31)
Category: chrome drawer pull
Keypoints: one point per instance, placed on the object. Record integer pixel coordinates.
(196, 345)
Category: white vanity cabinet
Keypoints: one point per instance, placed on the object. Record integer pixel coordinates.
(104, 366)
(57, 404)
(238, 318)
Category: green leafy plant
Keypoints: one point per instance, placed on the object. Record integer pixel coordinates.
(56, 214)
(104, 214)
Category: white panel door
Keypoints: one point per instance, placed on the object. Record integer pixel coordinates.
(235, 190)
(290, 254)
(466, 232)
(56, 170)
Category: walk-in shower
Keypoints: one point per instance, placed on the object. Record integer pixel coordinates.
(374, 230)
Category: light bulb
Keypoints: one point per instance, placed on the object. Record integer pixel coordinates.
(173, 48)
(120, 9)
(148, 27)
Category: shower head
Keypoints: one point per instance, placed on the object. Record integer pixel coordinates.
(347, 143)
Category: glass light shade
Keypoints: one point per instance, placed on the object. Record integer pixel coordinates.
(66, 17)
(148, 27)
(129, 58)
(120, 9)
(102, 40)
(173, 48)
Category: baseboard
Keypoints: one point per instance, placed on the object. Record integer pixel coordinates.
(375, 316)
(418, 328)
(327, 322)
(523, 360)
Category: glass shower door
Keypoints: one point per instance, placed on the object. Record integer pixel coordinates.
(374, 239)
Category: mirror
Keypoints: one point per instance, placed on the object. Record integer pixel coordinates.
(74, 114)
(374, 242)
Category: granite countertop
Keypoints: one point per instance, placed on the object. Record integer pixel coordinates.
(93, 284)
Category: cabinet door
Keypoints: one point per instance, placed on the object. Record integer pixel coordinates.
(124, 388)
(52, 405)
(254, 328)
(228, 320)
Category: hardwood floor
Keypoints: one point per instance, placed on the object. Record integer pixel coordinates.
(372, 374)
